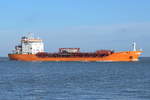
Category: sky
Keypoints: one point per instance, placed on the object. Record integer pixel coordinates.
(87, 24)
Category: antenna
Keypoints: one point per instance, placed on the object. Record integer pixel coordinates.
(30, 35)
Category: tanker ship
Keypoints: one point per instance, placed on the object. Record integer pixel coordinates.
(32, 49)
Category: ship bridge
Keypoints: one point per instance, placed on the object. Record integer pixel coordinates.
(30, 45)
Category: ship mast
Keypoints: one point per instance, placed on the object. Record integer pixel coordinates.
(134, 46)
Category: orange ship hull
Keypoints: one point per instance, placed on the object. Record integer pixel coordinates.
(118, 56)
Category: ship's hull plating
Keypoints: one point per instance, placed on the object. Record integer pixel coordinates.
(118, 56)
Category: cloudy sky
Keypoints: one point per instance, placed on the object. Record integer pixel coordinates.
(87, 24)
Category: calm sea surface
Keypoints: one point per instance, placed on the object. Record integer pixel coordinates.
(74, 80)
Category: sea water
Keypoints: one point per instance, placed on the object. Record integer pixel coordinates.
(74, 80)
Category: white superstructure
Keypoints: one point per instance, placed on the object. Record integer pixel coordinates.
(30, 45)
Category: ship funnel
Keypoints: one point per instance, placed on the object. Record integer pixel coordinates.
(134, 46)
